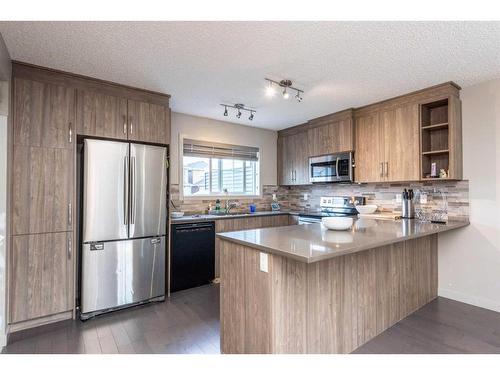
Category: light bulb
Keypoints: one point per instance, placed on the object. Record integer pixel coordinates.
(298, 97)
(251, 116)
(239, 114)
(225, 111)
(286, 95)
(270, 90)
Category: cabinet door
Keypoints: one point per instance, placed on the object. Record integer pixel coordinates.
(43, 114)
(401, 141)
(369, 148)
(148, 122)
(328, 139)
(300, 155)
(101, 115)
(41, 276)
(285, 162)
(42, 190)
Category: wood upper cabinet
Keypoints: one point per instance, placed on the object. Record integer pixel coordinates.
(401, 143)
(293, 156)
(41, 276)
(148, 122)
(101, 115)
(369, 148)
(42, 190)
(387, 144)
(43, 114)
(336, 136)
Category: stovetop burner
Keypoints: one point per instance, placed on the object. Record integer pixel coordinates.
(335, 206)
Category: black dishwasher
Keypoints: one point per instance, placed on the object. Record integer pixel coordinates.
(192, 255)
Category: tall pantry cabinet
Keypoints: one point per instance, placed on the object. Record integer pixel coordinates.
(50, 110)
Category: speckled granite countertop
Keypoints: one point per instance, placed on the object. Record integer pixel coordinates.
(196, 218)
(311, 243)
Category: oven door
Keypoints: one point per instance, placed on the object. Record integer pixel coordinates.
(331, 168)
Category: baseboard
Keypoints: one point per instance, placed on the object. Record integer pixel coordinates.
(485, 303)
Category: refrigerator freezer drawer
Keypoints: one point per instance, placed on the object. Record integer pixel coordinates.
(122, 272)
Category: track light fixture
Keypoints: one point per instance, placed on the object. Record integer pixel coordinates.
(239, 107)
(287, 85)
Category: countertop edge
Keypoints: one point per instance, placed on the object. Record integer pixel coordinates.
(191, 219)
(226, 236)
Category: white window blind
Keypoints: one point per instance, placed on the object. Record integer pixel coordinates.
(219, 150)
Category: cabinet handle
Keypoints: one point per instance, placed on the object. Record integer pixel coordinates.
(291, 173)
(70, 133)
(381, 169)
(386, 169)
(69, 246)
(124, 124)
(131, 126)
(70, 214)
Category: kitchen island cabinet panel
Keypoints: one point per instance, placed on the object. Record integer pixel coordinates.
(329, 306)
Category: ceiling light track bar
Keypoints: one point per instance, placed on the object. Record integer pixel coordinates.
(286, 83)
(239, 107)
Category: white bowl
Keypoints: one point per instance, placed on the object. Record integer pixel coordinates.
(367, 208)
(176, 214)
(337, 223)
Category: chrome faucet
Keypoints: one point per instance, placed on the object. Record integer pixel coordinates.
(230, 205)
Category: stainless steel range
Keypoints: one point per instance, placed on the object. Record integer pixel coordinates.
(333, 206)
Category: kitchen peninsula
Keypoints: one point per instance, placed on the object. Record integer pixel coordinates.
(304, 289)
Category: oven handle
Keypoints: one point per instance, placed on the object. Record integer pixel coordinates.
(337, 168)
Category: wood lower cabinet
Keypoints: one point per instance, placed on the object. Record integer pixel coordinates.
(43, 114)
(148, 122)
(293, 153)
(42, 190)
(41, 276)
(230, 225)
(101, 115)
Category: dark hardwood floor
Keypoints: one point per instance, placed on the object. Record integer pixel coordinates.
(189, 323)
(443, 326)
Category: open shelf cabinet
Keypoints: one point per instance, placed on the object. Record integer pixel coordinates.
(440, 138)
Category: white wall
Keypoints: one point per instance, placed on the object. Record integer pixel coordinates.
(469, 258)
(4, 109)
(224, 132)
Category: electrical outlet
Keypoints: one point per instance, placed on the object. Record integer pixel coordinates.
(423, 198)
(398, 198)
(264, 262)
(306, 196)
(274, 197)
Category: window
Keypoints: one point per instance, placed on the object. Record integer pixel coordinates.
(211, 169)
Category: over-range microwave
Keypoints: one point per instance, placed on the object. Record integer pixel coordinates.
(337, 167)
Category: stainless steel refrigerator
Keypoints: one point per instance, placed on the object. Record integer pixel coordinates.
(124, 225)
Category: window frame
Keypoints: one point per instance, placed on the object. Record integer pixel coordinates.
(221, 194)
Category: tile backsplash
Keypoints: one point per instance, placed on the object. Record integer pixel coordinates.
(382, 194)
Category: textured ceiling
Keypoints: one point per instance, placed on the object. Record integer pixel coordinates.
(202, 64)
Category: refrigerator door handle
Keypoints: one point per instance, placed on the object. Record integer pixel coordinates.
(125, 190)
(132, 193)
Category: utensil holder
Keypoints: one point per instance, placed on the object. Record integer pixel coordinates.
(408, 209)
